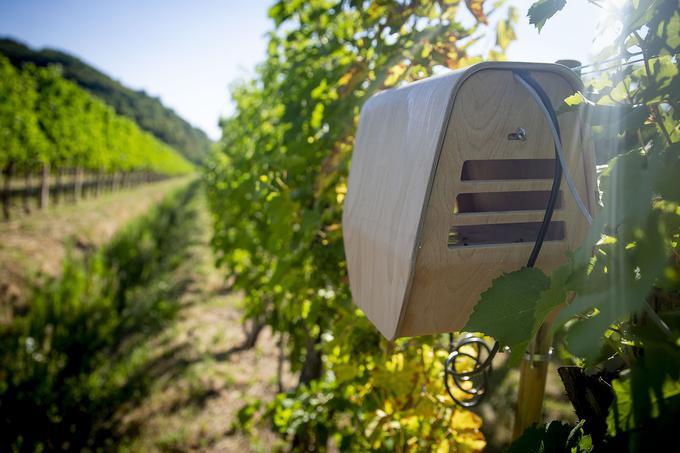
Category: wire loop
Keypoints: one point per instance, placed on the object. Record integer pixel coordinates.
(474, 356)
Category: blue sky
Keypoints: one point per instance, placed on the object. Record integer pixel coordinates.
(189, 52)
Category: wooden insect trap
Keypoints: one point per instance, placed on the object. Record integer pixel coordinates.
(450, 182)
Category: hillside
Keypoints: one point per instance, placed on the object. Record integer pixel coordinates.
(147, 111)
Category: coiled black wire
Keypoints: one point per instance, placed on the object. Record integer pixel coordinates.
(474, 381)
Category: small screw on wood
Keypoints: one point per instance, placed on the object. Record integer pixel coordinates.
(519, 134)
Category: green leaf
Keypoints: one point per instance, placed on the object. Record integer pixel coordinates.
(530, 441)
(552, 297)
(614, 118)
(245, 415)
(623, 415)
(554, 437)
(542, 10)
(506, 309)
(624, 273)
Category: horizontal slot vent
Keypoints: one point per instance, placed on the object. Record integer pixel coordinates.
(529, 200)
(502, 233)
(503, 169)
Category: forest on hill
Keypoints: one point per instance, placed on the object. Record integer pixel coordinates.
(147, 111)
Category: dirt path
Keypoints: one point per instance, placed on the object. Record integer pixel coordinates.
(199, 389)
(37, 243)
(194, 382)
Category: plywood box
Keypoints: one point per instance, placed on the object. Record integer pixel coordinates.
(441, 199)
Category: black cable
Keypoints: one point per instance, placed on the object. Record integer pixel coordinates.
(479, 375)
(473, 383)
(557, 177)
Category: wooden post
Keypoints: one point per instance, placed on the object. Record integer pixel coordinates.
(532, 375)
(6, 196)
(98, 183)
(78, 185)
(45, 186)
(57, 187)
(28, 191)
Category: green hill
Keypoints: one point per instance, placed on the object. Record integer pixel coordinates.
(147, 111)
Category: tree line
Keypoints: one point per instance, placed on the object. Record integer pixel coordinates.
(49, 126)
(147, 111)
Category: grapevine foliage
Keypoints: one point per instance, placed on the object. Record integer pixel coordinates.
(276, 187)
(47, 120)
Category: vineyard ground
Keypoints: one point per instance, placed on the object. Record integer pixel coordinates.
(37, 243)
(198, 378)
(194, 400)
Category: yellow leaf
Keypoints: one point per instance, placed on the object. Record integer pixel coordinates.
(465, 420)
(575, 99)
(394, 74)
(476, 7)
(473, 440)
(340, 192)
(388, 407)
(427, 49)
(443, 447)
(428, 355)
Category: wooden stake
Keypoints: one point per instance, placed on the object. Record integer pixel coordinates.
(45, 186)
(532, 375)
(78, 185)
(6, 195)
(27, 191)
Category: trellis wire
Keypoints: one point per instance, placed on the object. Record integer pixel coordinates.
(577, 69)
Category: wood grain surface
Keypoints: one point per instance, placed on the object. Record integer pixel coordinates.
(407, 172)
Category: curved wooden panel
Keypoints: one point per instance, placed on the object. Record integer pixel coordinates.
(398, 138)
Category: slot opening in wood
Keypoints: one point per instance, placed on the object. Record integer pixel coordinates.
(502, 234)
(507, 169)
(528, 200)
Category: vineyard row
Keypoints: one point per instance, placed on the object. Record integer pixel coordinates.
(51, 127)
(66, 186)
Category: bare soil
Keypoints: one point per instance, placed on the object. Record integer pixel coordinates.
(204, 381)
(36, 243)
(200, 378)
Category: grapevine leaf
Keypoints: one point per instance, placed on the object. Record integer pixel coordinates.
(552, 297)
(622, 277)
(476, 7)
(553, 437)
(530, 441)
(667, 169)
(623, 413)
(506, 310)
(556, 436)
(278, 13)
(542, 10)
